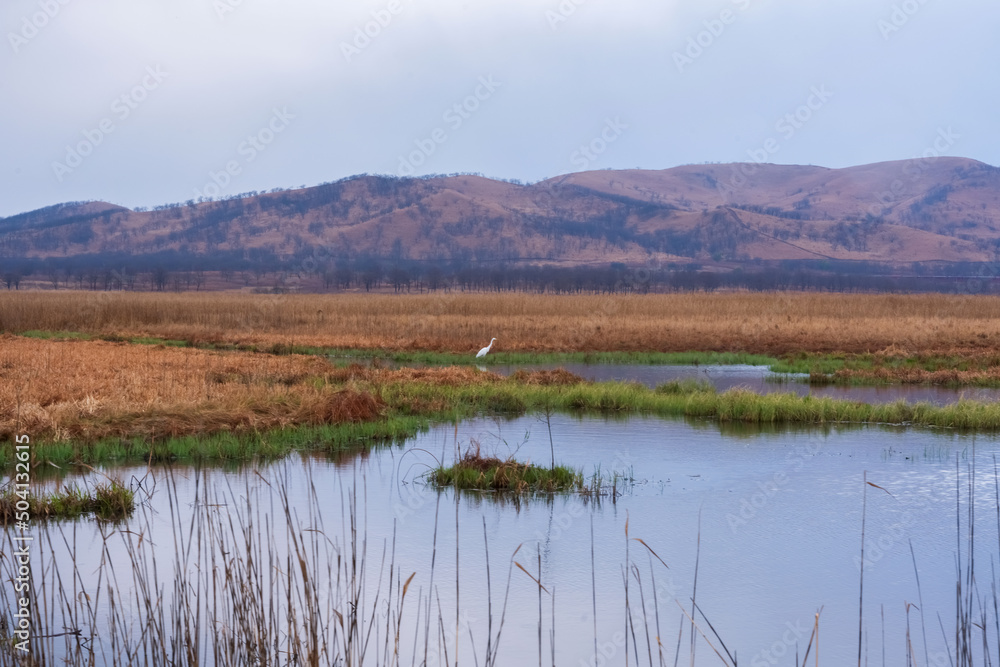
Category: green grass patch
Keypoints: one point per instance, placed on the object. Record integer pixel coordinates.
(108, 501)
(474, 472)
(685, 386)
(112, 338)
(149, 340)
(229, 447)
(56, 335)
(698, 401)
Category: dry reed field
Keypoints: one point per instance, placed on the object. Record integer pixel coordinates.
(85, 390)
(88, 390)
(769, 323)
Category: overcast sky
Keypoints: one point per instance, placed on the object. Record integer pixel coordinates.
(143, 102)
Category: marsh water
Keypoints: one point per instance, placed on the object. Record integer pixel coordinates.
(776, 514)
(761, 380)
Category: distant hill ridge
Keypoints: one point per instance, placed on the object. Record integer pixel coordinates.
(940, 209)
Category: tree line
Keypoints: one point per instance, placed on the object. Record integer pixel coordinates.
(317, 272)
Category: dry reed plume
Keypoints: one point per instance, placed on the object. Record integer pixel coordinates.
(773, 323)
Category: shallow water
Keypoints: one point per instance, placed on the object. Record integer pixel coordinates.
(762, 380)
(777, 511)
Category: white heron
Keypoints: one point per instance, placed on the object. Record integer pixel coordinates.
(482, 352)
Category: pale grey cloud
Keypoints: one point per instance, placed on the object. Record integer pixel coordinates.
(366, 84)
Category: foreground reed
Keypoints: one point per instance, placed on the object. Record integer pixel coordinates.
(248, 579)
(259, 576)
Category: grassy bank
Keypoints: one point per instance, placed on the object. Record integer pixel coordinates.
(980, 369)
(98, 401)
(735, 405)
(412, 405)
(221, 447)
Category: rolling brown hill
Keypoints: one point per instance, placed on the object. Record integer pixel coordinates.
(945, 209)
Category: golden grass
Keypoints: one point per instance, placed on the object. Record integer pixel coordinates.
(86, 390)
(769, 323)
(89, 390)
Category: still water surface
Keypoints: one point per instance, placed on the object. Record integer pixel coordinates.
(762, 380)
(778, 513)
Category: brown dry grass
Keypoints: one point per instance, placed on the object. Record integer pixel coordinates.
(558, 376)
(772, 323)
(86, 390)
(450, 376)
(984, 377)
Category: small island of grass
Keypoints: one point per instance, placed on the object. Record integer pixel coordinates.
(109, 501)
(475, 472)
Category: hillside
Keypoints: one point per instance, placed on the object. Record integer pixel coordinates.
(947, 209)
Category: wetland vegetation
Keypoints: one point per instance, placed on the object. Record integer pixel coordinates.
(154, 379)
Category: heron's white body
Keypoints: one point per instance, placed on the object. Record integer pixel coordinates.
(482, 352)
